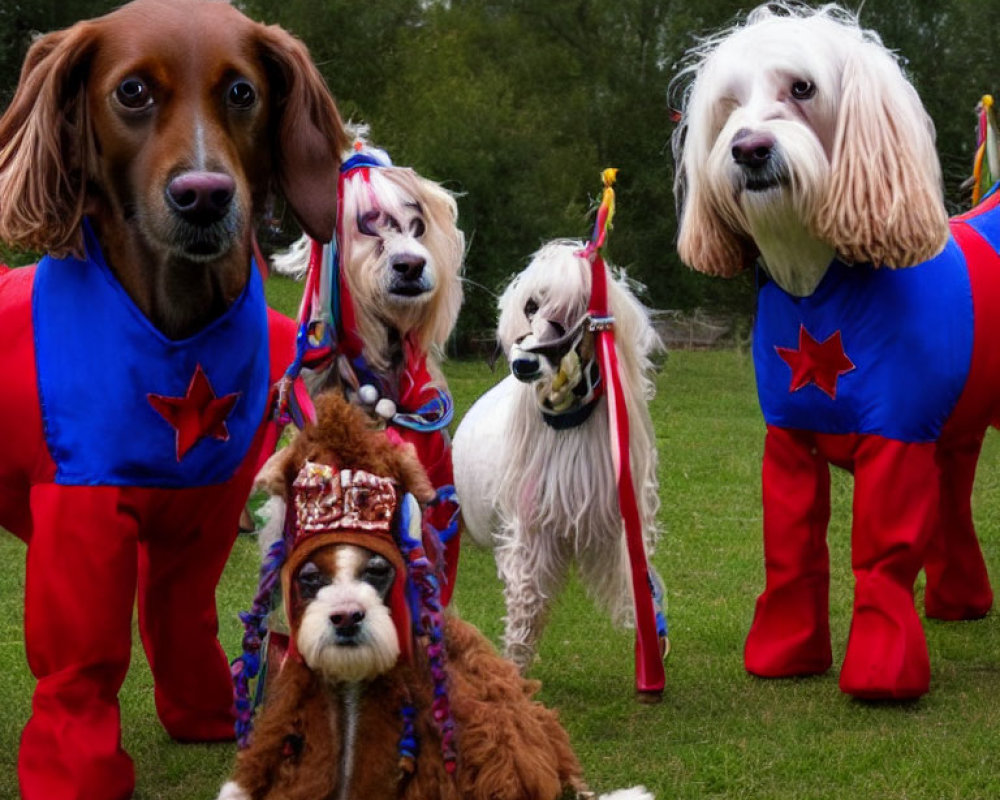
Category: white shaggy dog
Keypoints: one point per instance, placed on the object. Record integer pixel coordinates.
(803, 143)
(400, 257)
(533, 467)
(389, 295)
(801, 139)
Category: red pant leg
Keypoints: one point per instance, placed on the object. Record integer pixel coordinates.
(79, 592)
(790, 634)
(958, 586)
(895, 506)
(180, 564)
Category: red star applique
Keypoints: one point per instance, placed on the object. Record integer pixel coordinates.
(821, 363)
(196, 415)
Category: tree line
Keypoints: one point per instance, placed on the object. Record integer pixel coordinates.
(517, 105)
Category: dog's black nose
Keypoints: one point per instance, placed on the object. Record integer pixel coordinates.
(201, 198)
(752, 150)
(525, 367)
(347, 622)
(409, 267)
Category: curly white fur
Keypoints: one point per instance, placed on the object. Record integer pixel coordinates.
(802, 139)
(635, 793)
(546, 498)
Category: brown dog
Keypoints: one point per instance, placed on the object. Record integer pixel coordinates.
(138, 152)
(379, 699)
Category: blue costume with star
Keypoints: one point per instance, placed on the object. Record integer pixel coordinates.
(82, 317)
(893, 374)
(127, 459)
(906, 335)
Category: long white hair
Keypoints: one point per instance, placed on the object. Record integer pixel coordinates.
(563, 480)
(368, 248)
(863, 173)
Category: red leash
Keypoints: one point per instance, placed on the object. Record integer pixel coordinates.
(649, 676)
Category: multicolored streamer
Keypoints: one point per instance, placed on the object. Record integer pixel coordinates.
(986, 169)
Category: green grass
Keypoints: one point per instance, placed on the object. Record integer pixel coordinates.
(718, 733)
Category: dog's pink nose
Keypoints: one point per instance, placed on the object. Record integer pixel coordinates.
(751, 149)
(201, 198)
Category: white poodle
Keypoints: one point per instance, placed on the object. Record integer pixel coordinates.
(533, 464)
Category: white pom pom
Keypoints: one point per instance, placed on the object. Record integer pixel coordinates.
(368, 395)
(232, 791)
(635, 793)
(385, 408)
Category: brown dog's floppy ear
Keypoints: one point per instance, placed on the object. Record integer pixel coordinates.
(309, 136)
(45, 145)
(884, 201)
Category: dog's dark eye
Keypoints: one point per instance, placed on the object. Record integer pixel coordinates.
(417, 227)
(366, 223)
(241, 94)
(380, 574)
(134, 94)
(803, 90)
(310, 581)
(530, 308)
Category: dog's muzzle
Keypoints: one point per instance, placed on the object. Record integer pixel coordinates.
(526, 360)
(205, 214)
(567, 400)
(409, 278)
(525, 365)
(347, 624)
(758, 160)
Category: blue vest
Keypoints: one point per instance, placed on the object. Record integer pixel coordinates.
(116, 394)
(907, 337)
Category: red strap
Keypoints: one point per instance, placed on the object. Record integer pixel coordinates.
(649, 676)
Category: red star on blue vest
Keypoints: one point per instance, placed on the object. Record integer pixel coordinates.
(197, 415)
(820, 363)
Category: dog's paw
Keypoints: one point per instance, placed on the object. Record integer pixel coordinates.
(635, 793)
(232, 791)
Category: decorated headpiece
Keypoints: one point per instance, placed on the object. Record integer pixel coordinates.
(327, 325)
(986, 167)
(328, 505)
(343, 506)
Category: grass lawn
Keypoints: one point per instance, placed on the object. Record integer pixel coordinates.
(718, 733)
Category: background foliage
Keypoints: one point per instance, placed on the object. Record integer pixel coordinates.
(518, 104)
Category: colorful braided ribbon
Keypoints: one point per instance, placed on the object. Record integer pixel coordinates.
(986, 169)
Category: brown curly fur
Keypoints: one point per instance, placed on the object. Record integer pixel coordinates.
(510, 747)
(345, 436)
